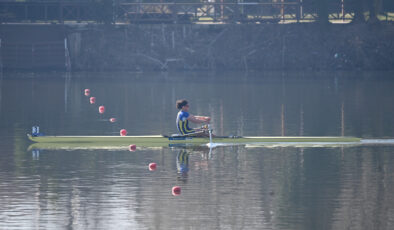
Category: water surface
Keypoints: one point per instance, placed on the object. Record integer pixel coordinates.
(238, 187)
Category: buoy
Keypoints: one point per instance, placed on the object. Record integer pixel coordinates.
(92, 100)
(123, 132)
(87, 92)
(176, 190)
(112, 120)
(152, 166)
(132, 148)
(101, 109)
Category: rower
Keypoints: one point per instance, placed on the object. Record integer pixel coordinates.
(183, 118)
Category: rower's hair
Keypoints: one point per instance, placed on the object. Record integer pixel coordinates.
(180, 103)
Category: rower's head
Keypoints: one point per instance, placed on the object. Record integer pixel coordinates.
(182, 104)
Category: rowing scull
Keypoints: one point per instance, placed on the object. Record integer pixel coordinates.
(162, 141)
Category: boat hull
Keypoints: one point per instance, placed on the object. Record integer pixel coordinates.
(161, 140)
(154, 141)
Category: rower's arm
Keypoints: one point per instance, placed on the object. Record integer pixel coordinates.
(198, 119)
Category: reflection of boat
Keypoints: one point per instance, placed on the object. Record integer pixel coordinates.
(121, 142)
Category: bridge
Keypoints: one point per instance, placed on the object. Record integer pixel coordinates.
(188, 11)
(26, 46)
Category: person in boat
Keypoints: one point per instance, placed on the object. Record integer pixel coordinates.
(183, 118)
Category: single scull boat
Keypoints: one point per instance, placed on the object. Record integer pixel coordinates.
(162, 141)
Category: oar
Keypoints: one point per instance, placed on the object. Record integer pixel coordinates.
(210, 136)
(210, 133)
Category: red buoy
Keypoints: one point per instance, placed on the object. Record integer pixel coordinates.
(132, 148)
(92, 100)
(112, 120)
(87, 92)
(176, 190)
(152, 166)
(123, 132)
(101, 109)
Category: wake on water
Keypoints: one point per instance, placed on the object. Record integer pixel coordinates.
(363, 142)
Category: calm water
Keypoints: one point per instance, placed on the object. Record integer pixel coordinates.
(237, 187)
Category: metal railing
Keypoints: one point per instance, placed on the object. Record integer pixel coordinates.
(136, 12)
(185, 11)
(174, 12)
(49, 11)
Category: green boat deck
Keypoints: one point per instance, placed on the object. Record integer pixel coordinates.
(58, 142)
(162, 139)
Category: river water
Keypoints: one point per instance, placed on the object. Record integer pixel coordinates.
(233, 187)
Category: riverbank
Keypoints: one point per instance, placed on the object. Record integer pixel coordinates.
(306, 46)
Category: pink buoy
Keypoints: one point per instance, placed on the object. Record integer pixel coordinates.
(87, 92)
(132, 148)
(152, 166)
(123, 132)
(92, 100)
(176, 191)
(112, 120)
(101, 109)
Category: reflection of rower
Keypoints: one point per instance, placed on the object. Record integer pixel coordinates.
(183, 118)
(182, 161)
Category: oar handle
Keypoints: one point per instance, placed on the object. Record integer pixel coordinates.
(210, 133)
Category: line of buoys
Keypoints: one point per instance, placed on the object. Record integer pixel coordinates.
(122, 132)
(176, 190)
